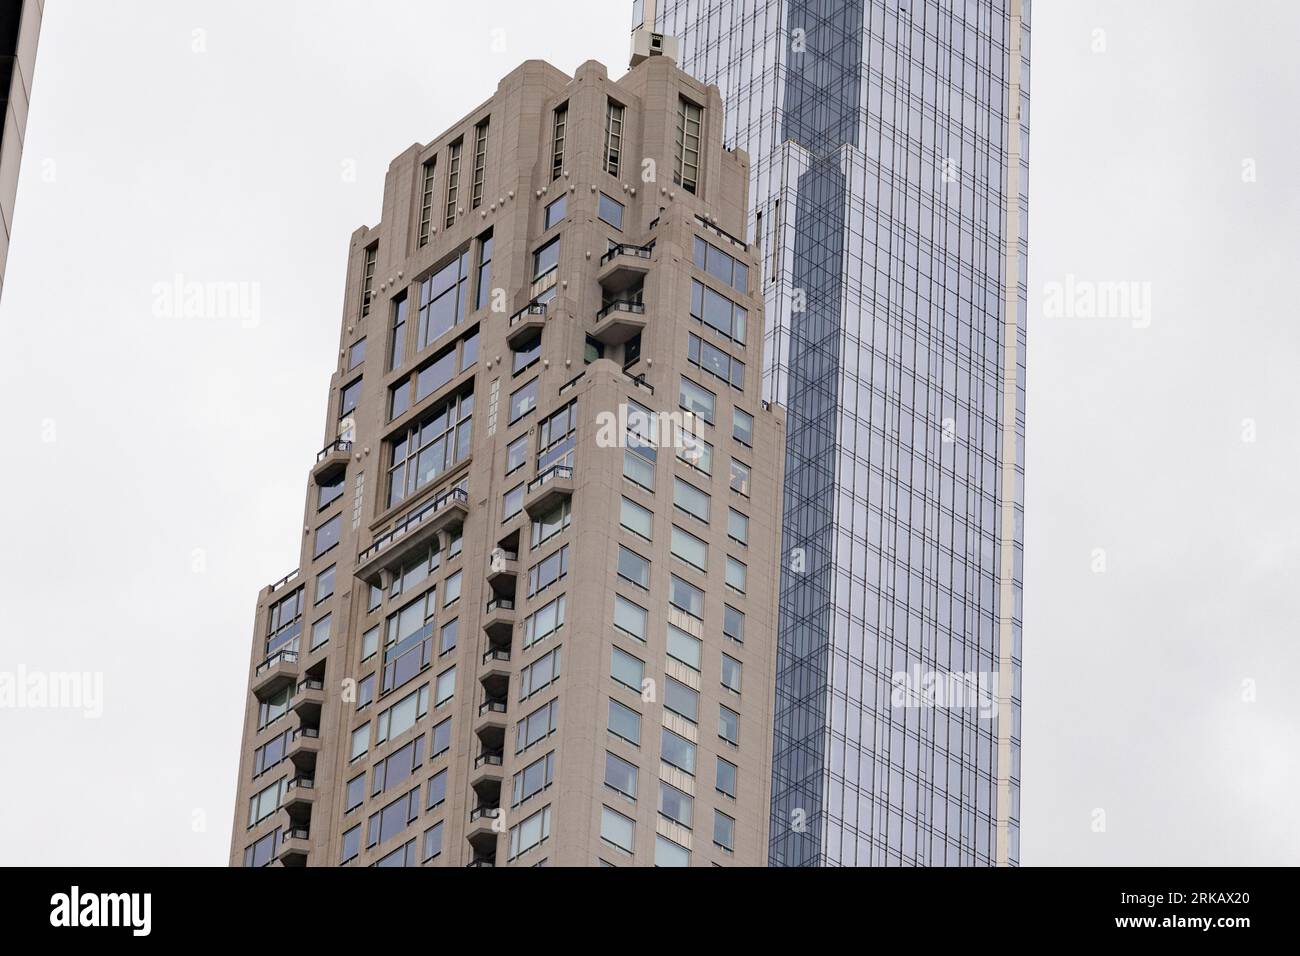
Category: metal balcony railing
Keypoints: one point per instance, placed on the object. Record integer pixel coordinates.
(413, 520)
(337, 444)
(627, 249)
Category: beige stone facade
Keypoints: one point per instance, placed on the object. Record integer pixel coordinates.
(540, 642)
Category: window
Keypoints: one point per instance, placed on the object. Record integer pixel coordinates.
(360, 742)
(356, 353)
(677, 751)
(442, 299)
(554, 213)
(432, 842)
(440, 741)
(737, 526)
(694, 451)
(426, 202)
(740, 475)
(523, 400)
(540, 673)
(387, 823)
(429, 446)
(320, 632)
(733, 624)
(374, 598)
(613, 136)
(632, 567)
(369, 643)
(349, 395)
(533, 779)
(558, 124)
(437, 790)
(546, 259)
(451, 589)
(718, 312)
(552, 523)
(526, 354)
(483, 288)
(403, 856)
(713, 360)
(402, 716)
(690, 549)
(516, 453)
(512, 502)
(270, 753)
(327, 535)
(684, 648)
(547, 571)
(731, 673)
(447, 636)
(686, 597)
(729, 725)
(681, 700)
(686, 161)
(263, 851)
(397, 348)
(368, 279)
(742, 427)
(398, 767)
(638, 470)
(265, 802)
(610, 212)
(635, 518)
(538, 725)
(616, 829)
(629, 618)
(330, 491)
(675, 805)
(724, 831)
(711, 259)
(325, 583)
(627, 670)
(445, 687)
(668, 853)
(366, 692)
(725, 779)
(351, 844)
(399, 399)
(691, 500)
(736, 574)
(533, 831)
(697, 400)
(556, 435)
(544, 622)
(284, 622)
(624, 722)
(453, 182)
(620, 775)
(480, 163)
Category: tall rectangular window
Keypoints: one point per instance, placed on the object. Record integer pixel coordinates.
(480, 163)
(426, 202)
(483, 288)
(442, 299)
(686, 162)
(397, 348)
(557, 140)
(613, 137)
(453, 183)
(368, 279)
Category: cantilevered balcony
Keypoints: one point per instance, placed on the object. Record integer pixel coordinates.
(547, 490)
(294, 844)
(331, 459)
(503, 570)
(421, 526)
(619, 321)
(487, 776)
(482, 832)
(526, 323)
(308, 699)
(624, 267)
(299, 798)
(494, 674)
(304, 747)
(273, 673)
(490, 725)
(499, 621)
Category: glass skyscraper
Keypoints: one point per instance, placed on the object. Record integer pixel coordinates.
(888, 142)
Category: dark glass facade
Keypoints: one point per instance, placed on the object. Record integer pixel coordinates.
(888, 142)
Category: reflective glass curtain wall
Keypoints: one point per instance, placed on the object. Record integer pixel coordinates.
(888, 142)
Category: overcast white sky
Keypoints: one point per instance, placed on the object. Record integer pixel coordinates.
(155, 464)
